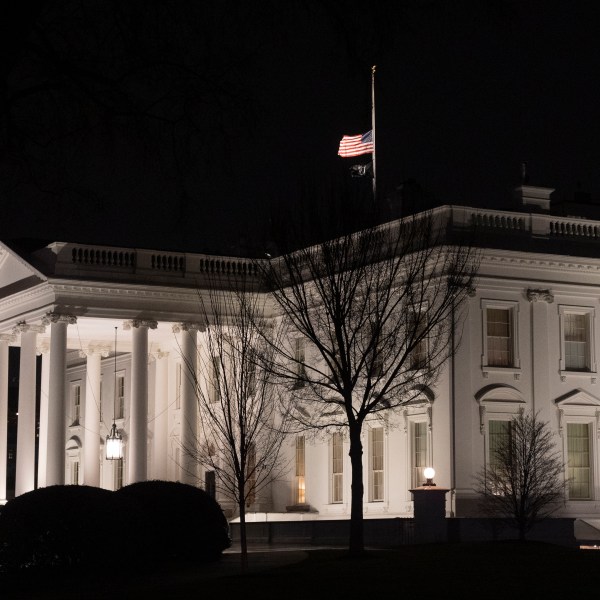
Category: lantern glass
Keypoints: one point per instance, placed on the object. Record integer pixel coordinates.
(114, 444)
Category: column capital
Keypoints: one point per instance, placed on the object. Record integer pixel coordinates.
(7, 337)
(53, 317)
(43, 346)
(23, 327)
(135, 323)
(158, 354)
(187, 326)
(540, 295)
(93, 350)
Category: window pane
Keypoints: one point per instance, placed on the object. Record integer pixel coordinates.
(579, 467)
(576, 342)
(499, 432)
(337, 468)
(499, 338)
(377, 464)
(419, 454)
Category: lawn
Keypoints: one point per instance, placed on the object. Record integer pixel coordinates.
(469, 570)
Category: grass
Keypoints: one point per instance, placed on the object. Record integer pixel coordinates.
(472, 570)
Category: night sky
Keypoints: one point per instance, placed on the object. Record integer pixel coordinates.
(196, 125)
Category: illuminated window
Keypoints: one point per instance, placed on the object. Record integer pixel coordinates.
(577, 333)
(579, 472)
(300, 487)
(376, 456)
(118, 473)
(76, 403)
(120, 403)
(337, 468)
(499, 435)
(75, 472)
(500, 344)
(419, 452)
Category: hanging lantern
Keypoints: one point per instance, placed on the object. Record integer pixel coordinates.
(114, 441)
(114, 444)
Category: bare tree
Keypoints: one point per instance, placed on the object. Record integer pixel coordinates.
(241, 429)
(524, 480)
(377, 310)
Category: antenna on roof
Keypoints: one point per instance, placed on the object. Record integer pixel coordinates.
(524, 173)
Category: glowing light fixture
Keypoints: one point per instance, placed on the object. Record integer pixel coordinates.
(429, 474)
(114, 441)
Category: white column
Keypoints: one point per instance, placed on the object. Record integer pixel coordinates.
(189, 402)
(161, 415)
(55, 466)
(91, 444)
(4, 340)
(25, 476)
(138, 414)
(44, 350)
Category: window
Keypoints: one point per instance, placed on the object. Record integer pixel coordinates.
(499, 434)
(251, 476)
(118, 473)
(577, 328)
(417, 329)
(215, 393)
(75, 472)
(337, 468)
(76, 403)
(299, 358)
(578, 461)
(300, 485)
(500, 344)
(178, 386)
(210, 483)
(120, 403)
(376, 455)
(419, 452)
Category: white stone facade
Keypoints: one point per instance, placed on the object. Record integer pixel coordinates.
(531, 340)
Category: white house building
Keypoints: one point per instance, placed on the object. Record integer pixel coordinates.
(112, 328)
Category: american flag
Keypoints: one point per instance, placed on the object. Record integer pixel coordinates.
(355, 145)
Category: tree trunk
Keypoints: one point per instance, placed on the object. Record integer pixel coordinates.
(357, 545)
(243, 539)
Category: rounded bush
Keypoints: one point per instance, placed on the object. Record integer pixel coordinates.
(56, 526)
(175, 522)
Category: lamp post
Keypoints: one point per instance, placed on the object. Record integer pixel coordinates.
(114, 441)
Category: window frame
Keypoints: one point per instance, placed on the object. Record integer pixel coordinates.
(589, 312)
(581, 408)
(373, 472)
(299, 492)
(512, 307)
(120, 399)
(336, 477)
(75, 394)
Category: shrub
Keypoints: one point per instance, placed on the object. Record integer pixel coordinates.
(175, 522)
(56, 526)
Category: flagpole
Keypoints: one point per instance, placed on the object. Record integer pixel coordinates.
(373, 129)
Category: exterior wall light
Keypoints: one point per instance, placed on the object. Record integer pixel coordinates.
(429, 474)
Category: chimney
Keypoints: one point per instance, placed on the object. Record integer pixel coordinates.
(532, 195)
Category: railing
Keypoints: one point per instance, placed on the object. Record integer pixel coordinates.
(102, 257)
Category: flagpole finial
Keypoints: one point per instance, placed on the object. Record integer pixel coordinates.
(373, 68)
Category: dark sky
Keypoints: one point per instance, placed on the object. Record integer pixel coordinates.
(188, 125)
